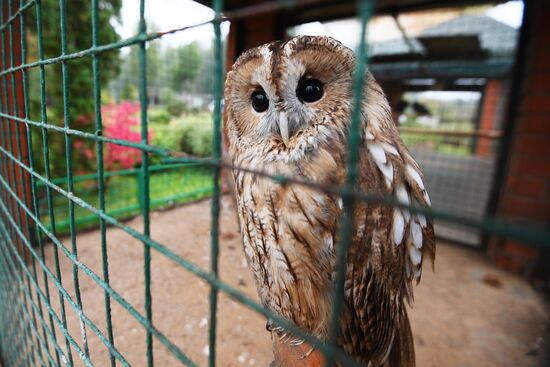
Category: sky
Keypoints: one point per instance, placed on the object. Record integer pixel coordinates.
(170, 14)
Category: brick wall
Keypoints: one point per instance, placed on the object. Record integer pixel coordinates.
(489, 115)
(526, 194)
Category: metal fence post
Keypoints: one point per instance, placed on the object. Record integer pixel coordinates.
(139, 178)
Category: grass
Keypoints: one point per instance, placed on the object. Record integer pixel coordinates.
(169, 185)
(448, 145)
(452, 145)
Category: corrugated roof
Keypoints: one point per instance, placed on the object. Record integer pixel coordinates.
(496, 39)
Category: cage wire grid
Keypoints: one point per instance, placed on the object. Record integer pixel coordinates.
(28, 317)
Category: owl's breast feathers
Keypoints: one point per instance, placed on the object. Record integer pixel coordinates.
(289, 234)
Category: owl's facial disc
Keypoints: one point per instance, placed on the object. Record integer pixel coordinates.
(280, 94)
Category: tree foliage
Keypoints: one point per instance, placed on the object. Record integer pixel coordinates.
(80, 88)
(185, 62)
(170, 70)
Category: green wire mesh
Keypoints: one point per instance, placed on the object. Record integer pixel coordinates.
(33, 330)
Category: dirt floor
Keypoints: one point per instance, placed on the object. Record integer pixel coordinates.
(467, 313)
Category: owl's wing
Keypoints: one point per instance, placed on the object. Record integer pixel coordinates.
(390, 243)
(409, 237)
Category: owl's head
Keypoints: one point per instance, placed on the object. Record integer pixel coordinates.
(290, 96)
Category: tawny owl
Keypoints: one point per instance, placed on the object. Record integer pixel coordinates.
(288, 108)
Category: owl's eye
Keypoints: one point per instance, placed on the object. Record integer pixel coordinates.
(260, 102)
(310, 90)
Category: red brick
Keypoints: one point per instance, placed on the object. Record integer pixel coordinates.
(537, 103)
(533, 145)
(511, 264)
(539, 83)
(537, 167)
(540, 61)
(515, 249)
(534, 188)
(537, 211)
(516, 265)
(502, 261)
(543, 7)
(488, 112)
(535, 124)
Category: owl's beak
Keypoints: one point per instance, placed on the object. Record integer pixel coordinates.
(283, 127)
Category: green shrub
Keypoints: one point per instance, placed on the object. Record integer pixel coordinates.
(175, 107)
(197, 130)
(159, 116)
(190, 133)
(166, 136)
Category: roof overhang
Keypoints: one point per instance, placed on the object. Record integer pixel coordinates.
(304, 11)
(442, 69)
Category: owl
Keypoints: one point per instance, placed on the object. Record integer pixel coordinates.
(288, 112)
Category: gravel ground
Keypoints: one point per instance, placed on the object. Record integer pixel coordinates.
(467, 313)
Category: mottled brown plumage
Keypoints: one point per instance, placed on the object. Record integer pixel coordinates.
(290, 232)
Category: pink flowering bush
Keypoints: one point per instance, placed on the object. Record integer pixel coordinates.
(122, 122)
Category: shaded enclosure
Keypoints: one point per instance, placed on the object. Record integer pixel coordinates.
(105, 133)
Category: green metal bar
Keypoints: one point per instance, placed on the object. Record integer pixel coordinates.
(18, 13)
(101, 176)
(136, 40)
(130, 210)
(354, 139)
(25, 348)
(6, 143)
(228, 16)
(126, 172)
(7, 256)
(180, 355)
(17, 321)
(40, 340)
(11, 322)
(69, 164)
(535, 236)
(33, 187)
(28, 295)
(216, 170)
(6, 323)
(11, 326)
(193, 269)
(63, 291)
(18, 140)
(19, 148)
(144, 177)
(46, 155)
(35, 211)
(18, 257)
(31, 164)
(68, 131)
(531, 235)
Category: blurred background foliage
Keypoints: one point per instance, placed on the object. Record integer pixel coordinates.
(79, 73)
(180, 102)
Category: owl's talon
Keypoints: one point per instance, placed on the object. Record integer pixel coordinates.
(307, 354)
(297, 342)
